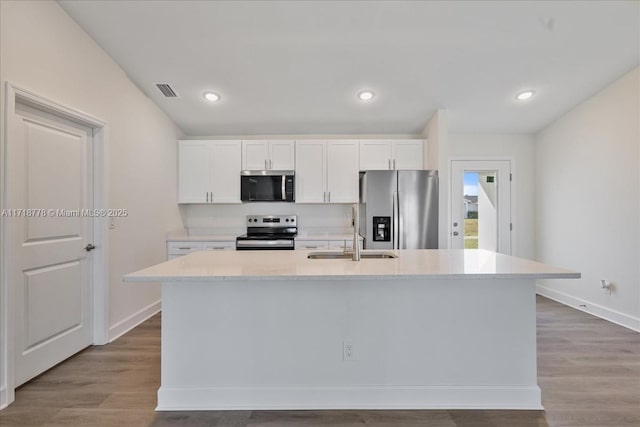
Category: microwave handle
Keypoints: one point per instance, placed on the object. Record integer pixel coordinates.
(284, 193)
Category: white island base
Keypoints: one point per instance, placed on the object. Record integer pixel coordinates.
(346, 340)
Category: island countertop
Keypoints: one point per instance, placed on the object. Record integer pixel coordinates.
(209, 266)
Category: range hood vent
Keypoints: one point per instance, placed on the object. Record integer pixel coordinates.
(166, 90)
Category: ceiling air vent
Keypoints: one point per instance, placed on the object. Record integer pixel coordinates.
(166, 90)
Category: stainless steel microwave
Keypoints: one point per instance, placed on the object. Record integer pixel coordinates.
(267, 186)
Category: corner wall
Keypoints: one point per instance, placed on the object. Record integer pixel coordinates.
(44, 51)
(588, 196)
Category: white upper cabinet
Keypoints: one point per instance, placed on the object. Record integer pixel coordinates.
(209, 171)
(193, 171)
(391, 154)
(408, 154)
(311, 171)
(342, 171)
(255, 155)
(225, 172)
(327, 171)
(282, 155)
(375, 155)
(268, 155)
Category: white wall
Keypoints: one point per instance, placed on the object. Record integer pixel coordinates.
(588, 185)
(437, 158)
(44, 51)
(520, 148)
(201, 219)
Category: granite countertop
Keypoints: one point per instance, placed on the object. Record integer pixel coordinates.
(215, 266)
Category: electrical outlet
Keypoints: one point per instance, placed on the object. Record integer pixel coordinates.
(347, 350)
(112, 223)
(606, 286)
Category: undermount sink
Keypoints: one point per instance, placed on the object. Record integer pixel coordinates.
(348, 255)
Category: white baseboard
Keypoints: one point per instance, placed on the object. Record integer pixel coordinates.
(124, 326)
(605, 313)
(363, 397)
(3, 398)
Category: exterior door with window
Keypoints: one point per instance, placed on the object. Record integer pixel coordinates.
(481, 205)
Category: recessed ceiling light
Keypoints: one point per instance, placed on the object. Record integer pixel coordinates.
(524, 95)
(366, 95)
(211, 96)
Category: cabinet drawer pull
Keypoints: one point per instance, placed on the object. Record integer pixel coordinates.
(183, 247)
(311, 247)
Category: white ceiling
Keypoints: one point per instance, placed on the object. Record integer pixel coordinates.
(295, 67)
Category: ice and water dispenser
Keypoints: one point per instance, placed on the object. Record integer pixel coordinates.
(381, 228)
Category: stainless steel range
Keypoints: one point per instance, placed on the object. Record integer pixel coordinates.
(269, 232)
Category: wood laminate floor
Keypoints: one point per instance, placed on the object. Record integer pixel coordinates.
(588, 369)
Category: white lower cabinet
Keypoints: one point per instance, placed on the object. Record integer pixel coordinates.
(218, 246)
(327, 171)
(343, 244)
(325, 244)
(312, 244)
(178, 249)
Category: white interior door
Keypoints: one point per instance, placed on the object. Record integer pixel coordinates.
(49, 172)
(481, 205)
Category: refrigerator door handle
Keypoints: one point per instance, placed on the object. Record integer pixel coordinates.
(400, 222)
(396, 228)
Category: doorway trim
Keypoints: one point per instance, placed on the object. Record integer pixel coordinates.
(14, 94)
(513, 210)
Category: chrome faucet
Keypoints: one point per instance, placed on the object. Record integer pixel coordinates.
(356, 227)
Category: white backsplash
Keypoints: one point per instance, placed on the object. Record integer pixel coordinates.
(216, 219)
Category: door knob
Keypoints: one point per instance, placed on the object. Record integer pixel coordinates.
(89, 247)
(455, 233)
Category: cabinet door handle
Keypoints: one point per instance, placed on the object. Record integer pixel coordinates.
(389, 164)
(394, 164)
(324, 196)
(329, 196)
(265, 164)
(270, 164)
(207, 197)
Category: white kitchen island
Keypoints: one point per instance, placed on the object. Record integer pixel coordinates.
(275, 330)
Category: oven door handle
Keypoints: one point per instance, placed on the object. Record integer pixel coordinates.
(264, 243)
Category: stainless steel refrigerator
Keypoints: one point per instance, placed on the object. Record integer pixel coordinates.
(399, 209)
